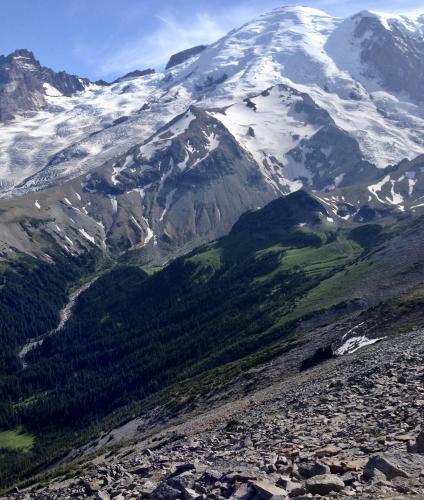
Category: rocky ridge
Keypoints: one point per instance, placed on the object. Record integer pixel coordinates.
(184, 55)
(350, 427)
(25, 84)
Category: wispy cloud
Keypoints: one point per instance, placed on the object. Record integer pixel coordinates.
(172, 30)
(172, 33)
(154, 49)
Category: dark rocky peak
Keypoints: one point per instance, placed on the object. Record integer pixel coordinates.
(22, 55)
(135, 74)
(182, 56)
(24, 84)
(67, 84)
(102, 83)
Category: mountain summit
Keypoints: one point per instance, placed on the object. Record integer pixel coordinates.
(158, 162)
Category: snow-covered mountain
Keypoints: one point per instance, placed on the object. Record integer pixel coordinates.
(293, 98)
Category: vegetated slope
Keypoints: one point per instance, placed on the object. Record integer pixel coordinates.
(281, 271)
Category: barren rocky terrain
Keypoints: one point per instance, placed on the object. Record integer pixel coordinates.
(348, 427)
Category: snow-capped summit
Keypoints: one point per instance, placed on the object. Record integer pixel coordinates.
(282, 45)
(294, 98)
(366, 71)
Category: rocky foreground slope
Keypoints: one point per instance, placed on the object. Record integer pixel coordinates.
(349, 427)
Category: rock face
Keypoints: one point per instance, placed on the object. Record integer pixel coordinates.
(392, 53)
(182, 56)
(135, 74)
(333, 159)
(186, 185)
(24, 84)
(395, 465)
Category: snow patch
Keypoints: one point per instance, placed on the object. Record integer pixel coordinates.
(114, 203)
(87, 236)
(374, 188)
(51, 91)
(355, 343)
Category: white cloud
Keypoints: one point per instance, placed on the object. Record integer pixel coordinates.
(154, 49)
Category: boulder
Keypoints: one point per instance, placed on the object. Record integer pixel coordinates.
(90, 486)
(395, 465)
(243, 492)
(328, 451)
(242, 476)
(417, 446)
(165, 492)
(293, 488)
(308, 470)
(266, 491)
(190, 494)
(102, 495)
(324, 484)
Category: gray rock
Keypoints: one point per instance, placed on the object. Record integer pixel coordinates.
(189, 494)
(102, 495)
(266, 490)
(313, 469)
(243, 492)
(395, 465)
(165, 492)
(241, 476)
(324, 484)
(418, 445)
(293, 488)
(90, 486)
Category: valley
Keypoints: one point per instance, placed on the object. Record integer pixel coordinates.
(64, 315)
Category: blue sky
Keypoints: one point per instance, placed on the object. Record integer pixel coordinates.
(107, 38)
